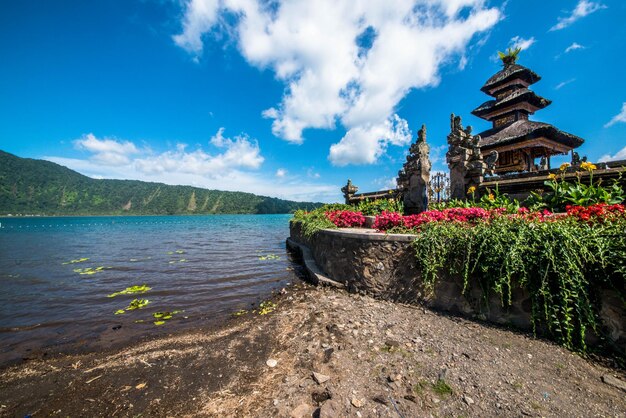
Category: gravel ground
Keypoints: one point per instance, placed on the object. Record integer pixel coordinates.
(323, 352)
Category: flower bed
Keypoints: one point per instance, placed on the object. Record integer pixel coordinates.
(346, 218)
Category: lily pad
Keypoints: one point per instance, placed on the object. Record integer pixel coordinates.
(78, 260)
(137, 304)
(266, 307)
(269, 257)
(161, 317)
(131, 290)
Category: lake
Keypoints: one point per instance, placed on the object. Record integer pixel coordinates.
(204, 267)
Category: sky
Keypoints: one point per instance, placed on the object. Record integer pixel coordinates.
(291, 98)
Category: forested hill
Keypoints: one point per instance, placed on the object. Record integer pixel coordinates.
(37, 187)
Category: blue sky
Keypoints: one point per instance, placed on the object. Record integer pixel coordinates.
(290, 100)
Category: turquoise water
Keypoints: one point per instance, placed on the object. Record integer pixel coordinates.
(206, 266)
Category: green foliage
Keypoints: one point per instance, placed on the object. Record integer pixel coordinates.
(510, 56)
(38, 187)
(313, 221)
(454, 203)
(562, 193)
(441, 388)
(131, 290)
(559, 263)
(78, 260)
(376, 207)
(162, 317)
(266, 307)
(493, 199)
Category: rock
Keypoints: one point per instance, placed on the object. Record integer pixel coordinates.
(613, 381)
(468, 400)
(301, 411)
(357, 403)
(320, 378)
(380, 398)
(321, 397)
(330, 409)
(411, 398)
(392, 343)
(394, 377)
(271, 362)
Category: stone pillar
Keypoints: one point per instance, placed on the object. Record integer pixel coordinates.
(414, 177)
(464, 159)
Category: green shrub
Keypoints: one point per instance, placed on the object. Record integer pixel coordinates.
(376, 207)
(559, 263)
(562, 193)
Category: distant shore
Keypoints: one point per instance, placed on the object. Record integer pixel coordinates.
(327, 351)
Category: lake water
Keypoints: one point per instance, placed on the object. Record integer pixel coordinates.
(207, 267)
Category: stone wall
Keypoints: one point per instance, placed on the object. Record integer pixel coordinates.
(384, 266)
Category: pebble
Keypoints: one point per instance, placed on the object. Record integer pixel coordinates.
(357, 403)
(468, 400)
(271, 362)
(320, 378)
(301, 411)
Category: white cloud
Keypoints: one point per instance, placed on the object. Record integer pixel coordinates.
(239, 153)
(385, 183)
(234, 167)
(620, 117)
(582, 9)
(200, 17)
(619, 155)
(311, 173)
(107, 151)
(564, 83)
(365, 143)
(348, 62)
(574, 46)
(281, 172)
(521, 43)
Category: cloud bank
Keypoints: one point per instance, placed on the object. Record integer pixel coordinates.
(233, 164)
(342, 62)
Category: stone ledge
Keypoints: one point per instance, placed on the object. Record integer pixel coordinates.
(368, 234)
(313, 271)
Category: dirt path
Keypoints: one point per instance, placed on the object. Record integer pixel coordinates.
(371, 359)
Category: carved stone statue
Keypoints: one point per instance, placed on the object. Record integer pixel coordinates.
(490, 161)
(464, 158)
(348, 191)
(414, 177)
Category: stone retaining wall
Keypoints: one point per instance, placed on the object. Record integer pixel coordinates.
(384, 266)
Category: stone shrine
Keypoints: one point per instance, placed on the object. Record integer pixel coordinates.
(414, 177)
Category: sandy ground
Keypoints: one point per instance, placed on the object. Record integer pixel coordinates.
(322, 352)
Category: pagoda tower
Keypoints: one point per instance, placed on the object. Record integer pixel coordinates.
(517, 140)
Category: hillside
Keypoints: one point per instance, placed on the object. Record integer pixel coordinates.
(38, 187)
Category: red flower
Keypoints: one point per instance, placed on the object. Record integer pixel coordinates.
(346, 218)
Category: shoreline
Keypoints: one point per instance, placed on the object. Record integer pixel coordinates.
(334, 354)
(134, 215)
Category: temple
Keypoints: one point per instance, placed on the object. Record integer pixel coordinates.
(517, 140)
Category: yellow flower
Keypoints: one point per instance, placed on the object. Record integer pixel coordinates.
(471, 190)
(491, 197)
(551, 176)
(588, 166)
(564, 166)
